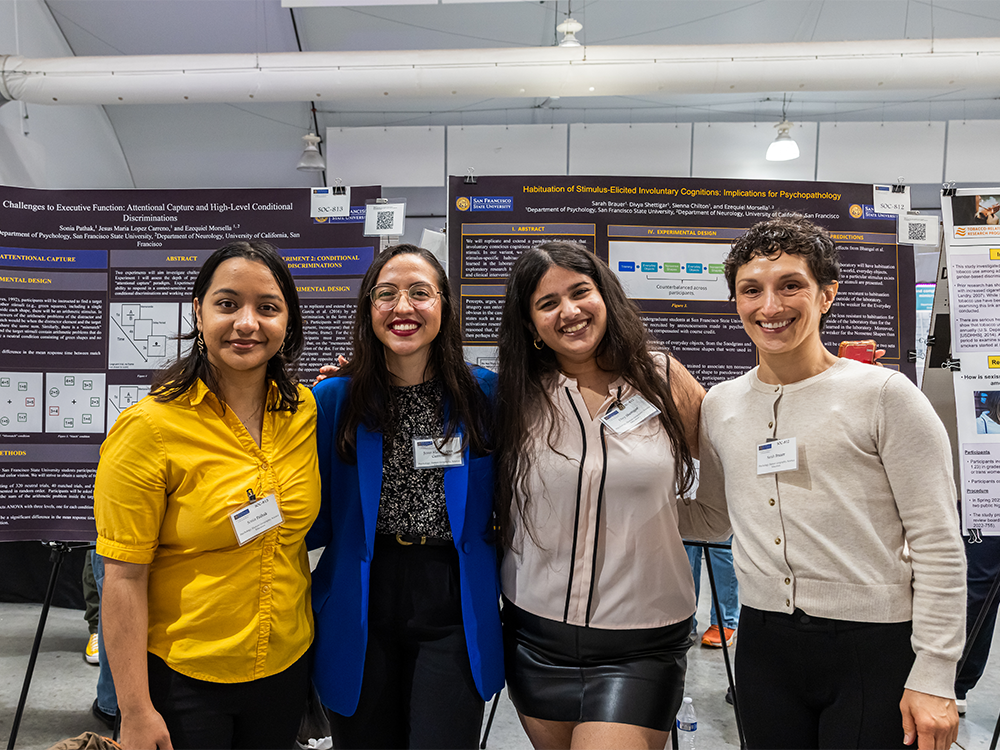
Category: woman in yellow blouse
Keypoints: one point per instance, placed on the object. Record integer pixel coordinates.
(203, 496)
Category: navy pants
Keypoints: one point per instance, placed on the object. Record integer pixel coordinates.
(983, 559)
(809, 682)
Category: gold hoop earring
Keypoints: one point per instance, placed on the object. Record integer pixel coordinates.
(538, 344)
(200, 341)
(281, 349)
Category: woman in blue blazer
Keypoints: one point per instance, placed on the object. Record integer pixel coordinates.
(406, 594)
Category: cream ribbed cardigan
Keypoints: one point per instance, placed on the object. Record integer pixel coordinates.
(874, 472)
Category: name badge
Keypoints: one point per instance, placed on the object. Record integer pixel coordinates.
(630, 415)
(777, 455)
(257, 518)
(435, 453)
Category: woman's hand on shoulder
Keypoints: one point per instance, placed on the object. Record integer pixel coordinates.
(688, 395)
(327, 371)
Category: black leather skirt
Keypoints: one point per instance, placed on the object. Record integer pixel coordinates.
(561, 672)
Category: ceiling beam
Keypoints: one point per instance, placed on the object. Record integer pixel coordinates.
(944, 64)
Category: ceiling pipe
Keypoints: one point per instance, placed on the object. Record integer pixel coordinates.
(520, 72)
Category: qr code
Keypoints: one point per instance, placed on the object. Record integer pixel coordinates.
(385, 219)
(916, 231)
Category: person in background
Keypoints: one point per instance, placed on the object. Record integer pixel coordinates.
(846, 536)
(982, 554)
(729, 595)
(594, 446)
(92, 607)
(406, 593)
(203, 496)
(105, 706)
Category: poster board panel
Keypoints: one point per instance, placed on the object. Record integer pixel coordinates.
(96, 286)
(972, 245)
(666, 239)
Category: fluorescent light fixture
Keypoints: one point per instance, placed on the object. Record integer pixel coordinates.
(312, 159)
(783, 148)
(568, 29)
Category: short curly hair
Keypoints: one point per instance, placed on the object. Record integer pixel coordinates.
(793, 234)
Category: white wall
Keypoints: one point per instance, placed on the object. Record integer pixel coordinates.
(64, 146)
(972, 154)
(835, 152)
(882, 152)
(507, 150)
(642, 150)
(391, 157)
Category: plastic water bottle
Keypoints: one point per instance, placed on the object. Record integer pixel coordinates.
(687, 725)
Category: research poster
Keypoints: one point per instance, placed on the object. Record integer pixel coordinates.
(95, 287)
(666, 239)
(972, 242)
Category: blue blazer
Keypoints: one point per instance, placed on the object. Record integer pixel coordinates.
(346, 527)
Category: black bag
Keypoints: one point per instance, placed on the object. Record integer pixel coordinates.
(314, 723)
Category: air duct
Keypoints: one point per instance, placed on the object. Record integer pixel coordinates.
(949, 64)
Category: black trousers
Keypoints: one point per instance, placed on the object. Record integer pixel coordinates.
(417, 690)
(261, 714)
(808, 682)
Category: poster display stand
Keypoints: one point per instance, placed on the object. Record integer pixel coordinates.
(971, 262)
(972, 248)
(59, 550)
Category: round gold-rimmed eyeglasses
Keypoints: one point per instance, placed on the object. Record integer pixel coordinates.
(385, 297)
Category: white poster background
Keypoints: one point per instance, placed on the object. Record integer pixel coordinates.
(973, 256)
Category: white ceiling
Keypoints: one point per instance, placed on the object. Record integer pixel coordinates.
(149, 134)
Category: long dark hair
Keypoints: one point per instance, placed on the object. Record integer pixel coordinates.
(371, 403)
(521, 393)
(282, 368)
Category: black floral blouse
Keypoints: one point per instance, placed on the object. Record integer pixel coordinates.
(412, 499)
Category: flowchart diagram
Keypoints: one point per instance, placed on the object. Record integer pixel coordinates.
(671, 270)
(121, 397)
(21, 402)
(74, 402)
(142, 335)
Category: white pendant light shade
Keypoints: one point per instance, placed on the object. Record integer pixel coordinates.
(784, 147)
(312, 159)
(568, 29)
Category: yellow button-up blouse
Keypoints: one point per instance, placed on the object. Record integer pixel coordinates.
(170, 476)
